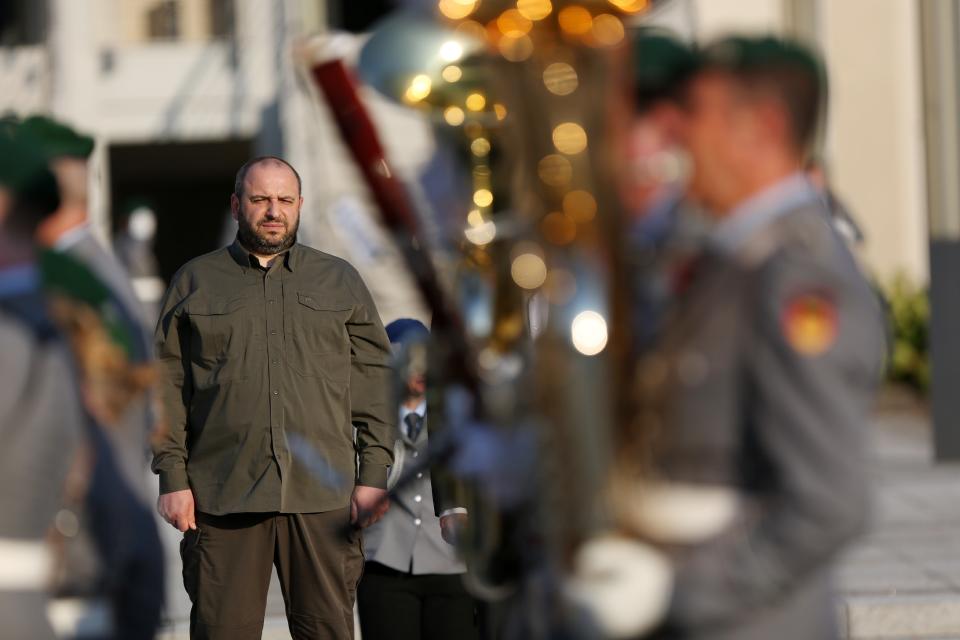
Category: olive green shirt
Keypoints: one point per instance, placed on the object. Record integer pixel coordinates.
(266, 372)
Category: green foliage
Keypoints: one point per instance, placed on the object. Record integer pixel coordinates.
(909, 316)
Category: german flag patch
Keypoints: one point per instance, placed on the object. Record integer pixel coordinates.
(810, 323)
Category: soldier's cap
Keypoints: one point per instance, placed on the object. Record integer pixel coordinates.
(55, 139)
(405, 330)
(662, 63)
(746, 54)
(24, 171)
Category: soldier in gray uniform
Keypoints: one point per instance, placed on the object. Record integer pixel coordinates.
(762, 380)
(412, 585)
(40, 415)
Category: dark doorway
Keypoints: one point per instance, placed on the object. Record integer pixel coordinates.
(188, 185)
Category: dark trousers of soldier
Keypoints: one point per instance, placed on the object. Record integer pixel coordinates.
(394, 605)
(228, 560)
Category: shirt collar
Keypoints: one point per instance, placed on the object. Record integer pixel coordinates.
(788, 194)
(420, 410)
(247, 260)
(19, 279)
(72, 237)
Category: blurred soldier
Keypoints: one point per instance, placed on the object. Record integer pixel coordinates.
(111, 585)
(272, 353)
(40, 415)
(664, 229)
(764, 373)
(412, 586)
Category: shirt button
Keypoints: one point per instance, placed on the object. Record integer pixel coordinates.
(416, 453)
(270, 301)
(273, 332)
(417, 522)
(417, 498)
(276, 362)
(419, 475)
(275, 392)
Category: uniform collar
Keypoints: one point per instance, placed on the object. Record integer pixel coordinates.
(420, 410)
(249, 261)
(754, 213)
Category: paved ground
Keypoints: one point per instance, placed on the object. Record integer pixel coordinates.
(902, 581)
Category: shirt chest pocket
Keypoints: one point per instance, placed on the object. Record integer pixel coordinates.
(220, 338)
(317, 342)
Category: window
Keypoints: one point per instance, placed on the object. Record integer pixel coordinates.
(163, 21)
(22, 22)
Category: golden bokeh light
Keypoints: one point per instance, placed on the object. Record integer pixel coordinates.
(513, 24)
(454, 116)
(480, 147)
(419, 88)
(569, 138)
(528, 270)
(482, 197)
(630, 6)
(575, 20)
(558, 228)
(500, 110)
(607, 29)
(555, 170)
(534, 9)
(588, 332)
(451, 73)
(580, 206)
(457, 9)
(560, 78)
(515, 49)
(476, 102)
(475, 218)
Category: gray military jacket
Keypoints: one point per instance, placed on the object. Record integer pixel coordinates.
(408, 537)
(762, 383)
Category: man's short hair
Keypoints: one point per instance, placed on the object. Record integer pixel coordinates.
(249, 164)
(789, 71)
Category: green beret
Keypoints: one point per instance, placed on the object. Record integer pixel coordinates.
(661, 64)
(66, 276)
(741, 54)
(56, 139)
(24, 171)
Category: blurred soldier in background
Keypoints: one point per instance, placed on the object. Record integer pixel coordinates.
(764, 373)
(412, 585)
(40, 415)
(664, 229)
(111, 584)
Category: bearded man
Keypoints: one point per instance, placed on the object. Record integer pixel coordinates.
(276, 390)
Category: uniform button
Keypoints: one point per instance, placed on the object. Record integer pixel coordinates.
(419, 475)
(417, 522)
(275, 392)
(416, 453)
(273, 332)
(270, 301)
(417, 498)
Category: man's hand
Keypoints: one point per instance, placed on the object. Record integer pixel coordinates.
(367, 505)
(451, 527)
(176, 508)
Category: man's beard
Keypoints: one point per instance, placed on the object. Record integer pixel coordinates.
(253, 242)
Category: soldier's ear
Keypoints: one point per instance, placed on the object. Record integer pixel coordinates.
(234, 206)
